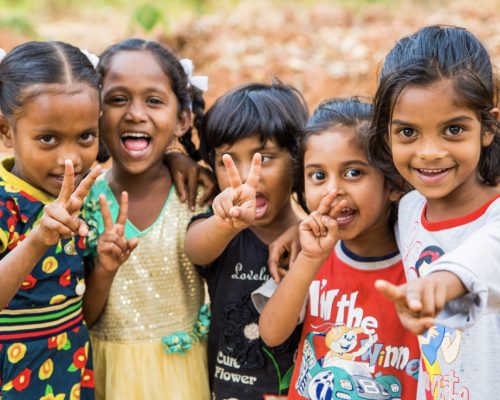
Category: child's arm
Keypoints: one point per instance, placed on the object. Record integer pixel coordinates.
(288, 243)
(318, 235)
(420, 300)
(59, 220)
(187, 174)
(234, 210)
(113, 249)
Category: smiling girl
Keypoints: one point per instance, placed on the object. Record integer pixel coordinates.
(148, 343)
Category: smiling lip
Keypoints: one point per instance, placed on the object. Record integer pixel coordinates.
(135, 143)
(432, 176)
(261, 206)
(346, 217)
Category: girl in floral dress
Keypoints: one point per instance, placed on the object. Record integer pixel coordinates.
(49, 103)
(148, 343)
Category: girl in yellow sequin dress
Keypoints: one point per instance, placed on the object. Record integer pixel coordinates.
(149, 341)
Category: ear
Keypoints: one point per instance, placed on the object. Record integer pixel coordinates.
(490, 132)
(184, 122)
(6, 132)
(395, 195)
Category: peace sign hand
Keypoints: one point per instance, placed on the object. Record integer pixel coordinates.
(236, 204)
(60, 218)
(113, 248)
(319, 231)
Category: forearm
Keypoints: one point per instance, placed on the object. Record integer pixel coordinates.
(98, 285)
(280, 315)
(18, 264)
(207, 239)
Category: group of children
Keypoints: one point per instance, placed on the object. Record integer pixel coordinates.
(402, 197)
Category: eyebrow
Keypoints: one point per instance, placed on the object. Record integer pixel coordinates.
(150, 89)
(344, 164)
(455, 120)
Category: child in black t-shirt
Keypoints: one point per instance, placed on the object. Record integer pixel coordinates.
(248, 137)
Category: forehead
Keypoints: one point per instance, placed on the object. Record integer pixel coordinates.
(60, 109)
(338, 143)
(437, 98)
(248, 145)
(135, 68)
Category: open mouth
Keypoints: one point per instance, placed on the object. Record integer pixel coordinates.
(346, 217)
(261, 205)
(135, 143)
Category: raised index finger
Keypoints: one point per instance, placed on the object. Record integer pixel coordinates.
(105, 212)
(326, 202)
(84, 187)
(232, 171)
(68, 183)
(254, 173)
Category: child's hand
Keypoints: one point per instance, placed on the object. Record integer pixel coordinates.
(319, 231)
(113, 248)
(236, 204)
(283, 252)
(60, 218)
(187, 174)
(417, 302)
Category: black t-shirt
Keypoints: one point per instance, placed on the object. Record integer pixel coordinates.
(241, 366)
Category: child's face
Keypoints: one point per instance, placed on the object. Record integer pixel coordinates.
(140, 111)
(333, 159)
(273, 191)
(436, 142)
(57, 125)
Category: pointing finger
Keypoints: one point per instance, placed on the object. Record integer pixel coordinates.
(232, 171)
(106, 213)
(83, 188)
(68, 183)
(254, 173)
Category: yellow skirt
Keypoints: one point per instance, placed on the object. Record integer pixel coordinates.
(143, 371)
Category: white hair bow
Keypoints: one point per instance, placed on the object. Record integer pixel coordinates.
(3, 53)
(200, 81)
(94, 60)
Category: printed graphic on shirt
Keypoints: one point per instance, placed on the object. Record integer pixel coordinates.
(439, 345)
(331, 368)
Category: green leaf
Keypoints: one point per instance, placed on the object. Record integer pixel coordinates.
(147, 16)
(67, 345)
(72, 368)
(287, 378)
(48, 390)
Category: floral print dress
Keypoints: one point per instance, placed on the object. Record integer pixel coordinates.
(44, 346)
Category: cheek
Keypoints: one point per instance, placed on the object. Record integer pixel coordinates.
(313, 196)
(221, 177)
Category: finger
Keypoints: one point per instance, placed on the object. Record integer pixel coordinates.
(417, 325)
(83, 228)
(331, 226)
(83, 188)
(273, 261)
(123, 211)
(192, 183)
(107, 219)
(56, 226)
(282, 272)
(326, 202)
(205, 177)
(440, 297)
(117, 240)
(311, 224)
(61, 215)
(68, 183)
(428, 301)
(414, 295)
(180, 186)
(337, 208)
(254, 173)
(132, 244)
(232, 172)
(391, 292)
(294, 252)
(235, 212)
(218, 210)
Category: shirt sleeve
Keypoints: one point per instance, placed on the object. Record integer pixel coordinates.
(9, 216)
(476, 262)
(261, 296)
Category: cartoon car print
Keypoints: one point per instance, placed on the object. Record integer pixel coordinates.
(344, 380)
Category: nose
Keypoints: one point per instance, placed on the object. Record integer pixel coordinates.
(430, 149)
(135, 112)
(244, 170)
(335, 183)
(70, 152)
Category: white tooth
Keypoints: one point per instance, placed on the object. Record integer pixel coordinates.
(135, 135)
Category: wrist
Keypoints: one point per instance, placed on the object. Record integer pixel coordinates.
(103, 272)
(38, 240)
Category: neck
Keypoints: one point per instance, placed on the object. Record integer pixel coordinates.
(270, 232)
(460, 202)
(375, 243)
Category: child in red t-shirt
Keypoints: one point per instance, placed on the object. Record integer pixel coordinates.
(353, 344)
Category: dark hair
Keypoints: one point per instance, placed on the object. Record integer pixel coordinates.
(349, 112)
(427, 56)
(274, 112)
(188, 97)
(41, 63)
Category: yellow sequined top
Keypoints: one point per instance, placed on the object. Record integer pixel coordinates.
(157, 291)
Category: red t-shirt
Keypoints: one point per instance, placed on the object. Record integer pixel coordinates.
(353, 343)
